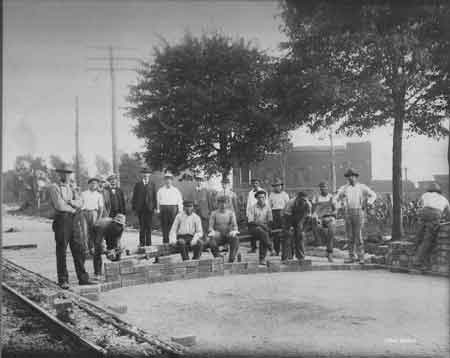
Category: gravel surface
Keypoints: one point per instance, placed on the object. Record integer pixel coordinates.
(312, 313)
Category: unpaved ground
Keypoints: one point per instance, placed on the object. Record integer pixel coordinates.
(348, 312)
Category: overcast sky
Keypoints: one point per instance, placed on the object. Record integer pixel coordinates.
(46, 46)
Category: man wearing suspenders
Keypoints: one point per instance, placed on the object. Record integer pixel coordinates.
(324, 218)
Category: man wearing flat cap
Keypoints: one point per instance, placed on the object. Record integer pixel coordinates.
(251, 201)
(143, 204)
(169, 204)
(203, 201)
(65, 204)
(116, 197)
(433, 206)
(278, 199)
(230, 196)
(356, 198)
(187, 231)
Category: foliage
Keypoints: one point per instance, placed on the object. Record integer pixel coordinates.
(203, 105)
(102, 165)
(362, 64)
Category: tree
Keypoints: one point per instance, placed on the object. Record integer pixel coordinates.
(368, 65)
(202, 105)
(102, 165)
(286, 147)
(129, 171)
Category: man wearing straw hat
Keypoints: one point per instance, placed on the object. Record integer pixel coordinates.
(203, 201)
(143, 203)
(65, 204)
(356, 197)
(278, 199)
(92, 209)
(169, 204)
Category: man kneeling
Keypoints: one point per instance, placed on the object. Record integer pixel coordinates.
(187, 232)
(111, 230)
(223, 230)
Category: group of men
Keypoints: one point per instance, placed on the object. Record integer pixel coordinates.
(88, 220)
(85, 221)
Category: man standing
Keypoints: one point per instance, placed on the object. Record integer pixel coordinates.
(62, 200)
(103, 189)
(203, 202)
(278, 200)
(223, 230)
(433, 207)
(169, 204)
(251, 201)
(110, 230)
(143, 203)
(116, 197)
(259, 223)
(324, 218)
(355, 197)
(92, 209)
(187, 231)
(296, 213)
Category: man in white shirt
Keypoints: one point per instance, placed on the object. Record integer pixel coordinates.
(356, 198)
(169, 204)
(433, 206)
(278, 199)
(92, 209)
(251, 201)
(324, 218)
(187, 232)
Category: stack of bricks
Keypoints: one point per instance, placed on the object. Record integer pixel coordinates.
(400, 254)
(440, 255)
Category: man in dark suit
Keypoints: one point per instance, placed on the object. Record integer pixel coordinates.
(116, 197)
(144, 204)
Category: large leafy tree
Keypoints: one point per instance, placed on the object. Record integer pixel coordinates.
(202, 105)
(362, 64)
(102, 165)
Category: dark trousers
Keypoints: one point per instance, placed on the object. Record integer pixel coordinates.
(63, 227)
(219, 239)
(277, 224)
(325, 232)
(293, 243)
(263, 236)
(112, 243)
(426, 236)
(184, 243)
(168, 213)
(145, 227)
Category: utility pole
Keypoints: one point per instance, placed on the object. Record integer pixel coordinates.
(112, 69)
(406, 184)
(77, 142)
(332, 162)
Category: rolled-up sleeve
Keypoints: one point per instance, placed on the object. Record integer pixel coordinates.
(58, 202)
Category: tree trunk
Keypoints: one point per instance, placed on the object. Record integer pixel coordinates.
(397, 176)
(448, 160)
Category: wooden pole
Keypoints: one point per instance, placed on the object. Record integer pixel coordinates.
(333, 163)
(115, 159)
(77, 142)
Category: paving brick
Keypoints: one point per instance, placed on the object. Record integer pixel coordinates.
(88, 289)
(135, 276)
(187, 341)
(121, 309)
(92, 296)
(127, 283)
(62, 305)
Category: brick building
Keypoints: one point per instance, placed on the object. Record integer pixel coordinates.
(306, 166)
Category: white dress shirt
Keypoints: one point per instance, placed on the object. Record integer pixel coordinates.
(434, 200)
(186, 224)
(169, 196)
(92, 200)
(278, 201)
(353, 196)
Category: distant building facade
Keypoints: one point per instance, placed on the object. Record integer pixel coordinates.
(306, 166)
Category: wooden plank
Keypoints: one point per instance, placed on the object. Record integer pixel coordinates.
(19, 247)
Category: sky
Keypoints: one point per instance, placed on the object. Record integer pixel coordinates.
(46, 49)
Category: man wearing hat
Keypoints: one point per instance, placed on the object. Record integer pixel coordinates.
(259, 225)
(203, 201)
(355, 198)
(187, 231)
(169, 204)
(110, 230)
(251, 201)
(324, 218)
(62, 198)
(296, 214)
(92, 208)
(278, 199)
(223, 230)
(116, 197)
(433, 206)
(143, 204)
(103, 189)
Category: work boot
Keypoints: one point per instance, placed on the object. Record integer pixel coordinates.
(239, 257)
(361, 261)
(87, 283)
(330, 257)
(251, 251)
(262, 263)
(349, 260)
(64, 285)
